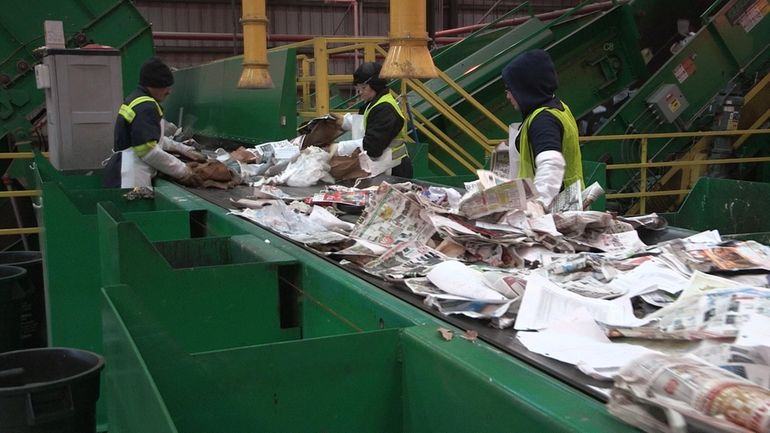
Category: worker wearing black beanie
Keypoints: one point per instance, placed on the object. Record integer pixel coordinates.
(155, 73)
(139, 149)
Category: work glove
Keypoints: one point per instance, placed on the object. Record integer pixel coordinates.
(169, 129)
(346, 147)
(182, 149)
(166, 163)
(347, 122)
(190, 179)
(549, 175)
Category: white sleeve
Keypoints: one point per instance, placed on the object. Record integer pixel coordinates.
(549, 175)
(347, 121)
(168, 144)
(166, 163)
(347, 147)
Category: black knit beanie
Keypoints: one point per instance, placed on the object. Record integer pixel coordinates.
(155, 73)
(369, 73)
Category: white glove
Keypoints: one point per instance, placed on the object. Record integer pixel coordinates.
(169, 145)
(169, 129)
(549, 175)
(166, 163)
(347, 147)
(347, 121)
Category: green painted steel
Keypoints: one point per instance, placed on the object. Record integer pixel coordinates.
(596, 56)
(108, 22)
(71, 253)
(203, 346)
(722, 50)
(730, 206)
(214, 110)
(463, 386)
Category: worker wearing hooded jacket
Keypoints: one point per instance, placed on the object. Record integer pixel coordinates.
(139, 142)
(547, 142)
(384, 124)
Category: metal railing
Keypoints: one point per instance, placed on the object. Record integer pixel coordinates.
(313, 80)
(644, 163)
(11, 194)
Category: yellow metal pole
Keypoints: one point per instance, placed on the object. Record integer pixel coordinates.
(408, 56)
(305, 85)
(255, 73)
(369, 54)
(321, 76)
(22, 231)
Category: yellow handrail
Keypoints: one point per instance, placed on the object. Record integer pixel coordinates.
(644, 164)
(20, 193)
(314, 76)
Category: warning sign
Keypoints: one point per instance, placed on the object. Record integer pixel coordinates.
(685, 69)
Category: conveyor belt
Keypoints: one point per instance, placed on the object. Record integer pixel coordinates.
(502, 339)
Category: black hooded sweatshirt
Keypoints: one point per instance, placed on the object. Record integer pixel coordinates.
(531, 79)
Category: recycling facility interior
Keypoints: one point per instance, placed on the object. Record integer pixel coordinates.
(672, 100)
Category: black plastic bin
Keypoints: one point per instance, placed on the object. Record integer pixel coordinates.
(13, 290)
(49, 390)
(33, 315)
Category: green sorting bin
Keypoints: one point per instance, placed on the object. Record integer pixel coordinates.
(737, 208)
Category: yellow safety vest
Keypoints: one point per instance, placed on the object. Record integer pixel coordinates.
(128, 113)
(570, 147)
(398, 145)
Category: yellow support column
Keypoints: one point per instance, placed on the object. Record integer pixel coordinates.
(408, 55)
(321, 76)
(255, 73)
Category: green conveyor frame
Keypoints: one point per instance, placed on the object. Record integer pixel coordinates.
(211, 323)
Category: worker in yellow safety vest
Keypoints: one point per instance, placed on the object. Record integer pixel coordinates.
(140, 147)
(545, 146)
(380, 128)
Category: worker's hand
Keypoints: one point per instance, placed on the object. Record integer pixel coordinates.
(192, 143)
(190, 179)
(347, 147)
(344, 121)
(185, 149)
(193, 155)
(169, 129)
(339, 118)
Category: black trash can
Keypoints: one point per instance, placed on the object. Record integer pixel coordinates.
(49, 390)
(12, 293)
(33, 310)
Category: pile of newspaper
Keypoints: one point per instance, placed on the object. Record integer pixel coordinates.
(570, 281)
(691, 391)
(495, 230)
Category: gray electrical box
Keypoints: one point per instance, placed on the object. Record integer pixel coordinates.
(668, 101)
(83, 92)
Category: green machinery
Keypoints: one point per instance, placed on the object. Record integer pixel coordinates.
(22, 106)
(210, 323)
(599, 56)
(107, 22)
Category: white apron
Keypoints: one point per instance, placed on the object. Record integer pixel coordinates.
(134, 172)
